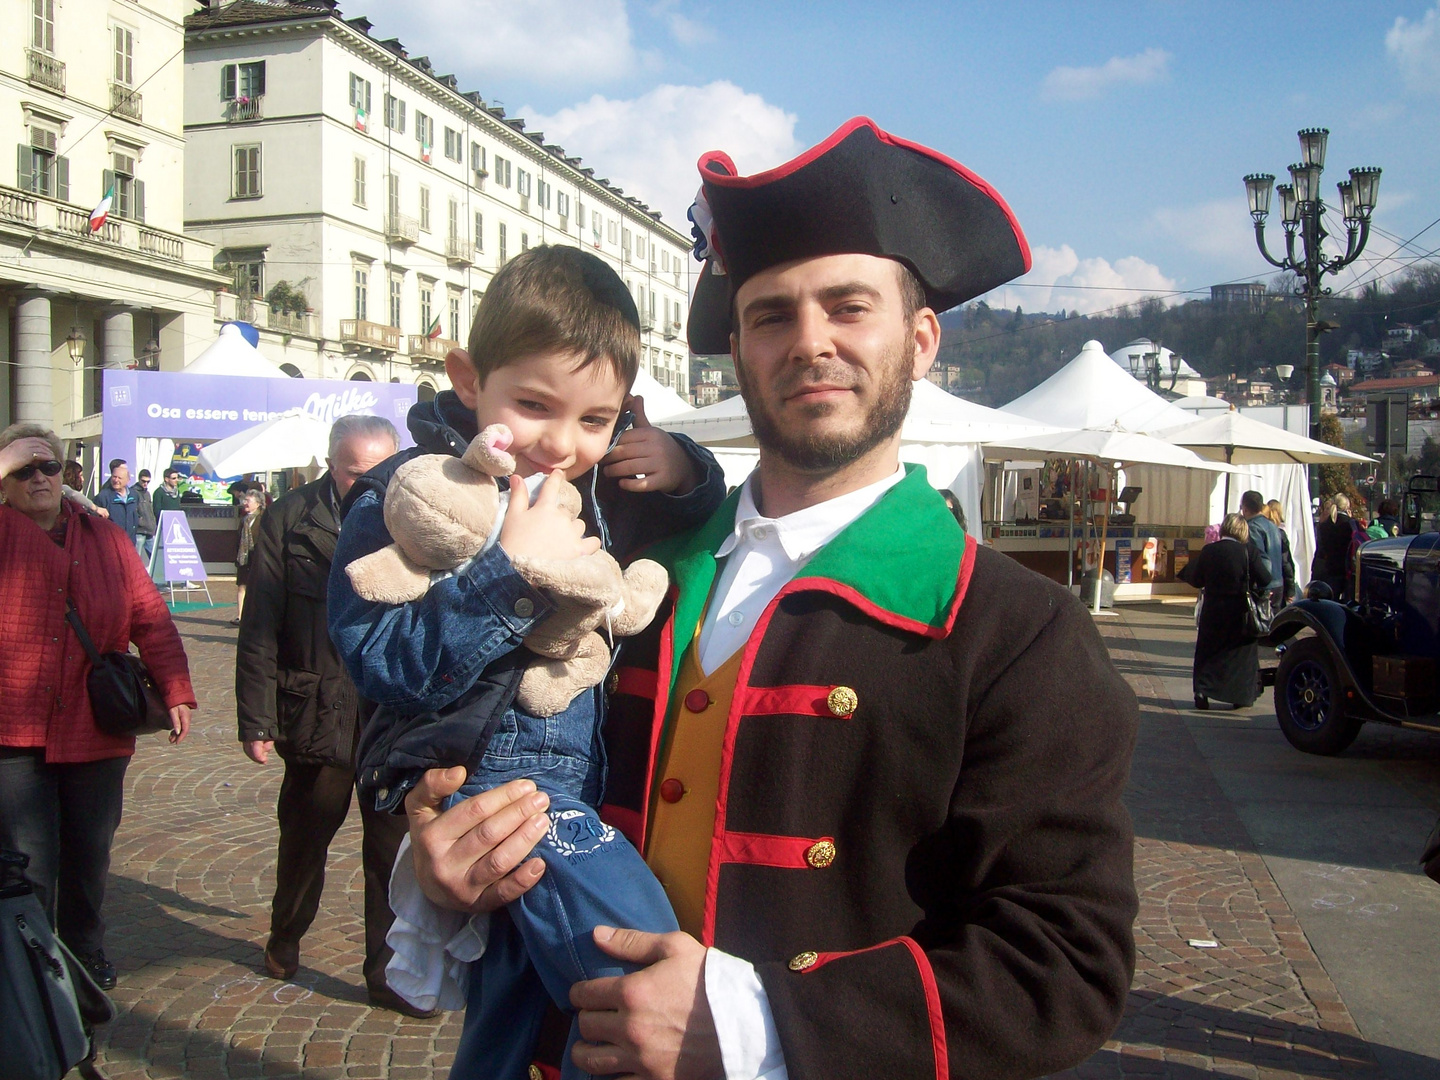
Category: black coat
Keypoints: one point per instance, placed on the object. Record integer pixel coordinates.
(1332, 551)
(290, 683)
(1227, 659)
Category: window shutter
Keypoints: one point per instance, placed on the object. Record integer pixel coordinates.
(227, 82)
(62, 179)
(259, 79)
(107, 181)
(23, 176)
(138, 200)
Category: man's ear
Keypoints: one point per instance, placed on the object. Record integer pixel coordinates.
(463, 377)
(927, 342)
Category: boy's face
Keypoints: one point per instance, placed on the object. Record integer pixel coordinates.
(562, 416)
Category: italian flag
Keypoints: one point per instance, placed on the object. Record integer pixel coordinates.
(101, 212)
(433, 330)
(362, 119)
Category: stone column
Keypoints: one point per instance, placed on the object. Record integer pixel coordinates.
(34, 377)
(118, 349)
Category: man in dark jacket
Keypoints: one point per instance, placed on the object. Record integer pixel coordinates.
(117, 500)
(293, 695)
(144, 516)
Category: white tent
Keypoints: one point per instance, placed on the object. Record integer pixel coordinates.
(661, 402)
(1106, 447)
(231, 354)
(1092, 392)
(292, 441)
(1236, 438)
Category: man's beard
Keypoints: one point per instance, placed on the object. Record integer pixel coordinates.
(817, 452)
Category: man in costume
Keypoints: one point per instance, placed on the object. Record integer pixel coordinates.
(877, 767)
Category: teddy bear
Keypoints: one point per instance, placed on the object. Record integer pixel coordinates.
(443, 511)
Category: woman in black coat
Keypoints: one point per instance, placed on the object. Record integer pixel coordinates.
(1227, 658)
(1333, 533)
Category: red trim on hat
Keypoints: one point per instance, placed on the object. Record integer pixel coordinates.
(760, 849)
(729, 178)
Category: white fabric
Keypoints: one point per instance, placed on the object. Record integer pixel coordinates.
(434, 946)
(768, 552)
(661, 402)
(1104, 445)
(1092, 392)
(231, 354)
(744, 1024)
(1243, 440)
(291, 441)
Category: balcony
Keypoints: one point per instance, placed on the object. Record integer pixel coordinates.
(423, 348)
(459, 251)
(672, 331)
(401, 229)
(165, 245)
(300, 324)
(18, 206)
(77, 222)
(125, 101)
(45, 70)
(243, 109)
(119, 237)
(369, 335)
(646, 324)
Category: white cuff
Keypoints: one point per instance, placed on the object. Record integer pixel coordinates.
(434, 946)
(744, 1026)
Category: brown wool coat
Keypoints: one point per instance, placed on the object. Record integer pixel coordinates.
(975, 920)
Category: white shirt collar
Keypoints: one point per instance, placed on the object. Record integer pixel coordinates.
(806, 531)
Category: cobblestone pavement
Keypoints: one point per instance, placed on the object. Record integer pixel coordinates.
(192, 876)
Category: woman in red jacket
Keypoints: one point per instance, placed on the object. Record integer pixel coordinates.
(61, 777)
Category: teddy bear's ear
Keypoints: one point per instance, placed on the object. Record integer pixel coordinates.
(388, 577)
(487, 452)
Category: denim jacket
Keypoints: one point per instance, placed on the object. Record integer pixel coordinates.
(443, 669)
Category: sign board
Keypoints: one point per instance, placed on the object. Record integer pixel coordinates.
(180, 558)
(1387, 423)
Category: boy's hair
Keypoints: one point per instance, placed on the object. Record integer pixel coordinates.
(551, 299)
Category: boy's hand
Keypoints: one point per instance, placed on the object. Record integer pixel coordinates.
(543, 530)
(649, 459)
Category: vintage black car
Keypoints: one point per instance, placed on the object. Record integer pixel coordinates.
(1372, 659)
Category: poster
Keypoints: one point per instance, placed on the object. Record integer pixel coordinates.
(1122, 562)
(180, 558)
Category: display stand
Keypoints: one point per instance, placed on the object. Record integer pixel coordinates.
(178, 557)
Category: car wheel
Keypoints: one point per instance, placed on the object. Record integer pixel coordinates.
(1309, 700)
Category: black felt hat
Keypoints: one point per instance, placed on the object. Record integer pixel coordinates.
(862, 191)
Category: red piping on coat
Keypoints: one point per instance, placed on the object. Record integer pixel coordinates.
(729, 179)
(657, 719)
(936, 1016)
(628, 821)
(758, 849)
(800, 700)
(637, 682)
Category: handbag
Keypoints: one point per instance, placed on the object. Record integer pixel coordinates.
(1257, 612)
(123, 696)
(49, 1004)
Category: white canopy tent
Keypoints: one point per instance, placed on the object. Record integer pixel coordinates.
(1091, 391)
(661, 402)
(292, 441)
(231, 354)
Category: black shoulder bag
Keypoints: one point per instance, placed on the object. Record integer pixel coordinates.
(1257, 612)
(123, 694)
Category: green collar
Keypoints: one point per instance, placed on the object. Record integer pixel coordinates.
(900, 561)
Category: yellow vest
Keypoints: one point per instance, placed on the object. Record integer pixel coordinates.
(687, 786)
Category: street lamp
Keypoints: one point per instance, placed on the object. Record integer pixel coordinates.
(76, 343)
(1302, 212)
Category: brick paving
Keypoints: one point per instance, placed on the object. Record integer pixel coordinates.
(193, 872)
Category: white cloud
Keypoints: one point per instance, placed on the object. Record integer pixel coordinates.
(1220, 229)
(1086, 83)
(1059, 278)
(1415, 48)
(685, 30)
(535, 39)
(649, 145)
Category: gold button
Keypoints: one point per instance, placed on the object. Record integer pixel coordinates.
(804, 960)
(613, 682)
(535, 1073)
(842, 701)
(820, 854)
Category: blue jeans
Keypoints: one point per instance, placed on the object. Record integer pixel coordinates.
(542, 944)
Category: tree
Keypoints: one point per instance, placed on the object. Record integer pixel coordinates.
(1337, 478)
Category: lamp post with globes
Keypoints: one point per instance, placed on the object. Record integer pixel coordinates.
(1302, 215)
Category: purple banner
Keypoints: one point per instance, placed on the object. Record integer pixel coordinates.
(148, 413)
(180, 558)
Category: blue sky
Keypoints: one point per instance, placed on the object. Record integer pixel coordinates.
(1118, 133)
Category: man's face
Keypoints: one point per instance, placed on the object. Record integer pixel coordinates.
(825, 358)
(356, 456)
(172, 481)
(120, 477)
(143, 481)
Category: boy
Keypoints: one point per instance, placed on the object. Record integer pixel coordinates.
(553, 352)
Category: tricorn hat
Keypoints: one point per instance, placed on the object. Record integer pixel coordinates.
(862, 191)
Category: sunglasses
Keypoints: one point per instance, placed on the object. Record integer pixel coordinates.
(49, 468)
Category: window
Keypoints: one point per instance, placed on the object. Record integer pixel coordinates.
(454, 145)
(453, 221)
(394, 114)
(479, 231)
(359, 181)
(397, 290)
(665, 259)
(427, 303)
(596, 219)
(124, 68)
(579, 215)
(522, 182)
(362, 292)
(524, 241)
(248, 271)
(503, 254)
(625, 243)
(477, 160)
(562, 204)
(424, 134)
(243, 82)
(360, 101)
(424, 209)
(247, 173)
(42, 25)
(129, 194)
(392, 195)
(640, 247)
(502, 171)
(544, 199)
(610, 229)
(41, 170)
(454, 316)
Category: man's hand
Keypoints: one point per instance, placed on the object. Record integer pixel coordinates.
(467, 858)
(179, 723)
(654, 1024)
(648, 459)
(543, 530)
(258, 750)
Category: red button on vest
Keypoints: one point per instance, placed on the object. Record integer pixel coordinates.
(697, 701)
(672, 790)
